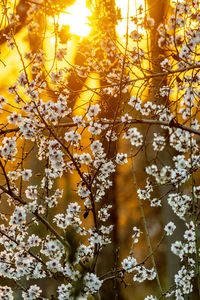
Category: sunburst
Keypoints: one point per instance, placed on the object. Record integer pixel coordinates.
(76, 17)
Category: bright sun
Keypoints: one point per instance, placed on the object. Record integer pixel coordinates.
(76, 18)
(123, 5)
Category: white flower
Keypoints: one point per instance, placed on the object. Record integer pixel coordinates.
(169, 228)
(135, 136)
(158, 142)
(135, 35)
(78, 120)
(178, 295)
(95, 128)
(60, 54)
(96, 147)
(2, 101)
(197, 191)
(14, 118)
(13, 175)
(121, 158)
(64, 291)
(73, 137)
(180, 140)
(135, 102)
(18, 217)
(103, 213)
(26, 174)
(136, 234)
(85, 158)
(6, 293)
(165, 91)
(8, 148)
(33, 241)
(177, 248)
(111, 136)
(92, 111)
(22, 79)
(155, 202)
(165, 64)
(53, 265)
(83, 192)
(141, 274)
(126, 118)
(128, 264)
(179, 203)
(31, 192)
(33, 292)
(149, 22)
(92, 283)
(150, 298)
(189, 235)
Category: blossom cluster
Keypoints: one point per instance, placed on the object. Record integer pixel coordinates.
(141, 119)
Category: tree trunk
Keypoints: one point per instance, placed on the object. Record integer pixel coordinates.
(158, 11)
(105, 9)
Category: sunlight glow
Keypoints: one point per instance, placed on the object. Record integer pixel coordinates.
(76, 18)
(123, 5)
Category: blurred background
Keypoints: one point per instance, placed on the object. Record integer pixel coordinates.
(73, 27)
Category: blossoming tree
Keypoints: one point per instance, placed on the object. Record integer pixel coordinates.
(39, 121)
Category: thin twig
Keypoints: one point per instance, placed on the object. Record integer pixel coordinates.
(39, 217)
(171, 124)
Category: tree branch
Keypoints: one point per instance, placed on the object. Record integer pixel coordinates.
(39, 217)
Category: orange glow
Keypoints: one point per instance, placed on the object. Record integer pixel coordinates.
(123, 5)
(76, 17)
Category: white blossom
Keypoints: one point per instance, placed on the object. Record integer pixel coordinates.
(169, 228)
